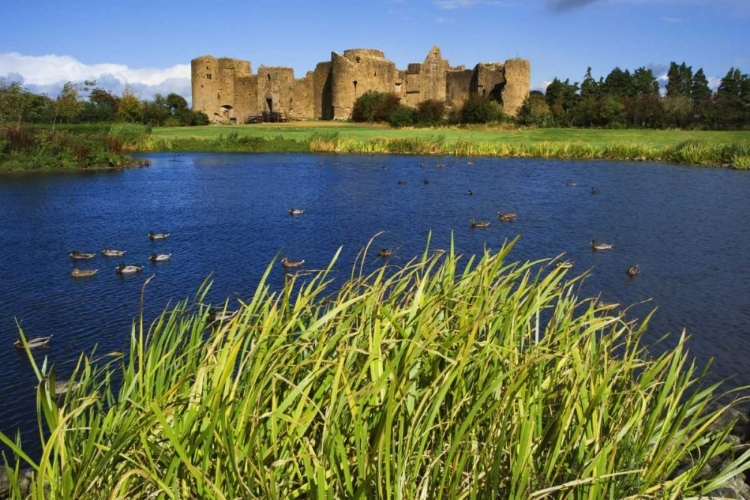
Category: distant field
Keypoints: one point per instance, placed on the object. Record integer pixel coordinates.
(302, 131)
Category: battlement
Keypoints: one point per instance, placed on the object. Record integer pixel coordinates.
(228, 92)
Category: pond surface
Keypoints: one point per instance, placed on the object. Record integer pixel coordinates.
(687, 228)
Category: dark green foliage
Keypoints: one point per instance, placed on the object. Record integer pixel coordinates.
(699, 90)
(619, 83)
(562, 98)
(402, 116)
(67, 147)
(680, 80)
(374, 107)
(535, 111)
(430, 112)
(480, 109)
(644, 82)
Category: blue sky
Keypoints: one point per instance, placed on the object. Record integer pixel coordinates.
(149, 45)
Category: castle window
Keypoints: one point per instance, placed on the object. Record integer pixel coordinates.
(355, 86)
(208, 76)
(376, 74)
(357, 58)
(398, 87)
(269, 76)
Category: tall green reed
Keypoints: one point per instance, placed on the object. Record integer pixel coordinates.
(449, 377)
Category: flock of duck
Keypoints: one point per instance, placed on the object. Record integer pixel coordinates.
(111, 252)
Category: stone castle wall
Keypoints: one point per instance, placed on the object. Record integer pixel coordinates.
(228, 92)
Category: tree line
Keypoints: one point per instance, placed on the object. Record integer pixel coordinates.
(634, 100)
(88, 103)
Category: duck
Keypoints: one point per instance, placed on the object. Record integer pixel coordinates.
(76, 255)
(600, 246)
(83, 273)
(421, 165)
(296, 211)
(470, 163)
(33, 343)
(595, 191)
(440, 165)
(633, 270)
(479, 223)
(470, 192)
(565, 264)
(571, 184)
(385, 167)
(158, 236)
(63, 386)
(401, 183)
(159, 257)
(506, 216)
(385, 252)
(109, 252)
(128, 269)
(291, 263)
(425, 182)
(221, 316)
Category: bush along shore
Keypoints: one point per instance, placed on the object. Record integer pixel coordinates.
(693, 152)
(72, 147)
(449, 377)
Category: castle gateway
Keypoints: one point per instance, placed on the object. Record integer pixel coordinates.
(228, 91)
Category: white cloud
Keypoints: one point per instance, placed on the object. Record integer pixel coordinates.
(48, 73)
(445, 20)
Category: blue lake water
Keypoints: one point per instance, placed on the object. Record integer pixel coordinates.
(687, 228)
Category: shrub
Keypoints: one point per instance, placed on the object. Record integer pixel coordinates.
(402, 116)
(374, 107)
(430, 112)
(478, 109)
(535, 111)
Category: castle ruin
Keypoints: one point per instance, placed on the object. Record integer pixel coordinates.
(228, 91)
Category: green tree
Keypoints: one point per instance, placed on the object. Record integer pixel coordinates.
(480, 109)
(67, 105)
(535, 111)
(699, 89)
(131, 108)
(589, 86)
(562, 98)
(619, 83)
(176, 103)
(644, 82)
(679, 80)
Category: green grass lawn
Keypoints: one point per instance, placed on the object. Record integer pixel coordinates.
(302, 131)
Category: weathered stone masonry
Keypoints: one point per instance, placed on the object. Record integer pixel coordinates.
(228, 91)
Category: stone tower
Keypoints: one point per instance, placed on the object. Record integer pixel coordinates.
(227, 91)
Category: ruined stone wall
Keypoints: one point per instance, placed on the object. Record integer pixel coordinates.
(227, 91)
(458, 84)
(358, 71)
(214, 85)
(275, 89)
(518, 83)
(301, 102)
(490, 80)
(322, 92)
(204, 79)
(246, 98)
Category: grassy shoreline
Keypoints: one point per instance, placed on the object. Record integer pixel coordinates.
(108, 146)
(434, 380)
(725, 149)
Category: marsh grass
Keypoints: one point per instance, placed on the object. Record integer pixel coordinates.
(450, 377)
(729, 149)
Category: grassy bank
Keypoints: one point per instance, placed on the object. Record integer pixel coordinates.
(709, 148)
(447, 378)
(72, 147)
